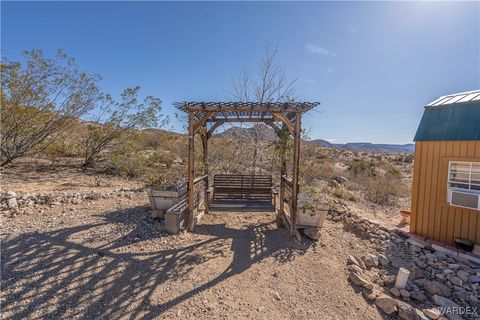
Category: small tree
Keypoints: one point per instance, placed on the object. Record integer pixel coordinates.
(114, 119)
(270, 84)
(39, 99)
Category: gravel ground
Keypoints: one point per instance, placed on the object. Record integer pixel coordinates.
(92, 263)
(103, 257)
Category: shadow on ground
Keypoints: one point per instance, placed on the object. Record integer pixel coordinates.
(59, 274)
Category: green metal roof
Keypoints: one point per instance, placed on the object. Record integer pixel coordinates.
(457, 120)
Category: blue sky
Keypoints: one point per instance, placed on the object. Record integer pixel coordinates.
(372, 65)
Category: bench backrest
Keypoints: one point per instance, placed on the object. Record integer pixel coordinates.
(242, 186)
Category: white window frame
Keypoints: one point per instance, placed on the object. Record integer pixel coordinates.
(466, 190)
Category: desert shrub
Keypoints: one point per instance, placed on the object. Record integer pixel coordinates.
(128, 165)
(381, 190)
(39, 100)
(162, 157)
(361, 167)
(342, 193)
(311, 171)
(404, 158)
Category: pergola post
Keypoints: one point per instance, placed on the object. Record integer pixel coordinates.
(191, 137)
(296, 162)
(283, 172)
(204, 137)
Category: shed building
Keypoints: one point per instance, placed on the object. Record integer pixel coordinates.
(446, 177)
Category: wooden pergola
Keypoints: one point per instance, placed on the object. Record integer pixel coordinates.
(205, 117)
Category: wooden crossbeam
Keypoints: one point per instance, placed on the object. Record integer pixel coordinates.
(217, 124)
(200, 122)
(283, 118)
(242, 119)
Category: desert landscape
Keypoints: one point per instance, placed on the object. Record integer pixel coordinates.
(240, 160)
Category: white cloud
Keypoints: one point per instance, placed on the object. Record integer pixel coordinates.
(331, 140)
(310, 81)
(313, 48)
(330, 70)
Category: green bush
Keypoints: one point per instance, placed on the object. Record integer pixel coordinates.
(361, 167)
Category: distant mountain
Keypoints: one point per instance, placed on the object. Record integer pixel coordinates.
(263, 131)
(320, 143)
(267, 133)
(371, 147)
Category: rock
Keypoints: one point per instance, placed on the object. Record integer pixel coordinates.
(440, 255)
(368, 261)
(395, 292)
(352, 260)
(446, 303)
(463, 275)
(389, 279)
(375, 260)
(437, 288)
(406, 312)
(312, 233)
(474, 279)
(418, 295)
(443, 302)
(432, 313)
(404, 293)
(386, 303)
(12, 203)
(421, 315)
(369, 294)
(461, 295)
(361, 264)
(355, 268)
(357, 279)
(456, 281)
(382, 260)
(276, 295)
(8, 195)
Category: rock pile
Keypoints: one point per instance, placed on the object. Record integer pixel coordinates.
(437, 281)
(15, 202)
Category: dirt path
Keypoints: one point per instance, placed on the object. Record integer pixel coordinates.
(89, 262)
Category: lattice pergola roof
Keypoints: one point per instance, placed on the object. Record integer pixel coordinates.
(234, 111)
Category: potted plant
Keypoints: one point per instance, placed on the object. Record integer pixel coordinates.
(163, 195)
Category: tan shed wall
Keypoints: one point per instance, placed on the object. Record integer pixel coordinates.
(432, 216)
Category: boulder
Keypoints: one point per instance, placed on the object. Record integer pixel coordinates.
(12, 203)
(437, 288)
(8, 195)
(463, 275)
(406, 312)
(456, 281)
(404, 293)
(432, 313)
(386, 303)
(312, 233)
(353, 260)
(418, 295)
(389, 279)
(395, 292)
(357, 279)
(382, 260)
(447, 303)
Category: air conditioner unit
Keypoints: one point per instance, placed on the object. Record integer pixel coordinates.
(464, 199)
